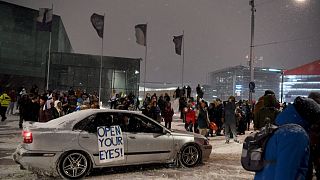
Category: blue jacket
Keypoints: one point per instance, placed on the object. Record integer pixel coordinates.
(287, 149)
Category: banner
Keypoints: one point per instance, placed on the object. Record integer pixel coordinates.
(141, 34)
(177, 40)
(98, 23)
(110, 142)
(44, 19)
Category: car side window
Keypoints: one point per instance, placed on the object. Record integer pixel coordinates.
(141, 124)
(81, 125)
(121, 119)
(101, 119)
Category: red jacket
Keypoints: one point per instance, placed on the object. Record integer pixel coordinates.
(191, 116)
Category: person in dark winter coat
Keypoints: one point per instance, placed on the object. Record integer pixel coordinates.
(188, 92)
(24, 109)
(248, 114)
(240, 117)
(166, 97)
(211, 115)
(183, 91)
(178, 92)
(27, 112)
(161, 103)
(45, 114)
(167, 115)
(198, 89)
(260, 104)
(287, 151)
(218, 115)
(182, 107)
(35, 106)
(230, 119)
(314, 162)
(268, 113)
(203, 119)
(153, 110)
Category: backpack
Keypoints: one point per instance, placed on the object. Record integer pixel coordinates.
(252, 158)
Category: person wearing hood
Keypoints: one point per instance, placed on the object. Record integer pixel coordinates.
(57, 111)
(260, 104)
(268, 113)
(288, 149)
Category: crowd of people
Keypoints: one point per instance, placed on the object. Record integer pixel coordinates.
(230, 118)
(43, 107)
(295, 147)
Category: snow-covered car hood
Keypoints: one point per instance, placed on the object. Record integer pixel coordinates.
(185, 133)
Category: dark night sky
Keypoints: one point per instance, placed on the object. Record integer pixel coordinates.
(217, 32)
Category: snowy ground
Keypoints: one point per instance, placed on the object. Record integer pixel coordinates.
(224, 162)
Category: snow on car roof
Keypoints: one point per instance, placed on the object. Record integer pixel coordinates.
(69, 120)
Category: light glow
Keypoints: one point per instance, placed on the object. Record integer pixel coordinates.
(300, 1)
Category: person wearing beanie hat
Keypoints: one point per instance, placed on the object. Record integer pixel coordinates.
(287, 151)
(266, 114)
(267, 92)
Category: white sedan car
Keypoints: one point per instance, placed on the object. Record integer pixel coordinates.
(72, 145)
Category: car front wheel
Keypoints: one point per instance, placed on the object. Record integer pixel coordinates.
(190, 156)
(74, 165)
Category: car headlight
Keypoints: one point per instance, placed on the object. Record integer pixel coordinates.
(202, 141)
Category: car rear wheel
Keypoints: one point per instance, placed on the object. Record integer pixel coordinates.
(74, 165)
(190, 156)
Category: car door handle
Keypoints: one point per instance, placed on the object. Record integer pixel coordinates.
(85, 137)
(132, 137)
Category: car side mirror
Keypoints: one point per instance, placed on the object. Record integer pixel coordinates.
(164, 131)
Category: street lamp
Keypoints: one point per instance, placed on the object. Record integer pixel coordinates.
(253, 10)
(300, 1)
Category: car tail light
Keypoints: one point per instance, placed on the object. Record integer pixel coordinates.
(27, 137)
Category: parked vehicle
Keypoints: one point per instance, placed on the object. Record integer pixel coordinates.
(72, 145)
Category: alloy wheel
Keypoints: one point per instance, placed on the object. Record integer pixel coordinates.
(74, 165)
(190, 156)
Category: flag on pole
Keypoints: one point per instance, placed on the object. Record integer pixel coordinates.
(98, 23)
(141, 34)
(177, 40)
(44, 19)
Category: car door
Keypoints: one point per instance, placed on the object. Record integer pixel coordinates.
(147, 143)
(88, 138)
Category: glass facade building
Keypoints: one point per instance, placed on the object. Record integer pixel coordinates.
(24, 58)
(235, 81)
(82, 71)
(301, 81)
(23, 49)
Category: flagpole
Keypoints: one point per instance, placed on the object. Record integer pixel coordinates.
(100, 76)
(182, 72)
(49, 51)
(145, 63)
